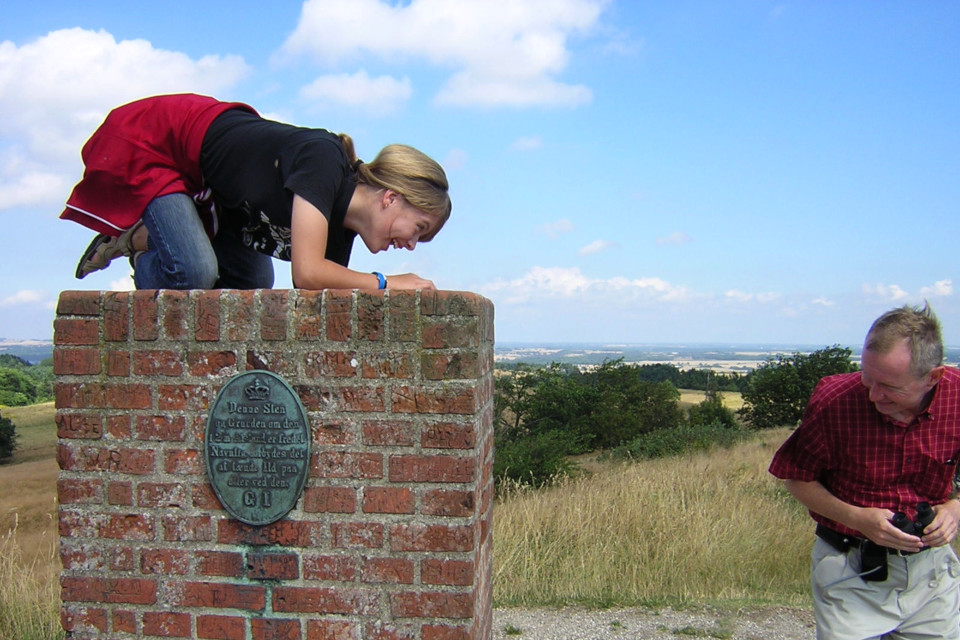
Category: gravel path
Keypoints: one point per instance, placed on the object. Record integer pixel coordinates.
(755, 623)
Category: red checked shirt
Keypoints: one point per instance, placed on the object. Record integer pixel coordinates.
(869, 460)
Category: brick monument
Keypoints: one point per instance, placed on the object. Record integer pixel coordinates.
(390, 537)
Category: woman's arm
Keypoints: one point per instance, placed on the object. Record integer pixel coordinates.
(309, 268)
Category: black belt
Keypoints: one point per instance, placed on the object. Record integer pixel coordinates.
(844, 543)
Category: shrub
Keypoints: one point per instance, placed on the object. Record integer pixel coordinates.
(537, 459)
(8, 438)
(681, 440)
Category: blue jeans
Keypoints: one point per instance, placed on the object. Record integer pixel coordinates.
(180, 255)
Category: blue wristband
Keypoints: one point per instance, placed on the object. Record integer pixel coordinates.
(381, 280)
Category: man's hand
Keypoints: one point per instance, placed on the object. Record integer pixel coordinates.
(944, 527)
(875, 524)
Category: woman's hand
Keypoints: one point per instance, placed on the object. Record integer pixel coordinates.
(408, 281)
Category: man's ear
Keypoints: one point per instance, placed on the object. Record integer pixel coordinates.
(935, 375)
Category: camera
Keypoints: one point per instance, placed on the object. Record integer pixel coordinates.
(914, 527)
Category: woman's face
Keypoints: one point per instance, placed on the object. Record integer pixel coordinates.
(398, 224)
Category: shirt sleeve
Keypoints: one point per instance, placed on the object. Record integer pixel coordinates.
(316, 171)
(804, 456)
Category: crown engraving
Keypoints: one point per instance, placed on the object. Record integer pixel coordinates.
(257, 390)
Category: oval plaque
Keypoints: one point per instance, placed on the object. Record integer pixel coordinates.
(257, 447)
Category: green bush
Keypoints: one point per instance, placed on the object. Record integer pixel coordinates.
(681, 440)
(8, 438)
(536, 459)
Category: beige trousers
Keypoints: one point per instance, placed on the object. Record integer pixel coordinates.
(920, 599)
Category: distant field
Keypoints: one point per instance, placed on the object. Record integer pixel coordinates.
(28, 500)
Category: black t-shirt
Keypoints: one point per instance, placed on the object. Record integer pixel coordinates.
(255, 166)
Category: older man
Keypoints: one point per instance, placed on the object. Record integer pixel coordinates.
(871, 444)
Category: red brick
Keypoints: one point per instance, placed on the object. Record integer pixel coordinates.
(431, 605)
(273, 318)
(109, 590)
(76, 331)
(127, 527)
(187, 528)
(444, 399)
(184, 462)
(449, 435)
(343, 464)
(118, 363)
(90, 559)
(220, 563)
(174, 309)
(307, 312)
(455, 303)
(370, 316)
(382, 630)
(333, 568)
(457, 573)
(437, 468)
(339, 316)
(124, 621)
(222, 596)
(116, 316)
(447, 502)
(332, 630)
(329, 500)
(238, 309)
(211, 363)
(287, 533)
(181, 397)
(76, 362)
(164, 561)
(79, 303)
(404, 323)
(207, 313)
(357, 535)
(79, 491)
(221, 628)
(274, 629)
(156, 494)
(387, 571)
(118, 427)
(326, 600)
(444, 632)
(157, 363)
(166, 624)
(430, 537)
(279, 362)
(273, 566)
(79, 620)
(449, 366)
(386, 366)
(71, 425)
(162, 428)
(145, 315)
(388, 500)
(333, 432)
(360, 398)
(393, 433)
(122, 460)
(331, 364)
(120, 493)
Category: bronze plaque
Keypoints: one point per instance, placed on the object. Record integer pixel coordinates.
(257, 447)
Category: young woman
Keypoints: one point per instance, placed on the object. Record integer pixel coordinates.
(199, 194)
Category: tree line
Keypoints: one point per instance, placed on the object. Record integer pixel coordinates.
(22, 383)
(545, 415)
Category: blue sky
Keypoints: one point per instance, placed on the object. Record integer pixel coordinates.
(736, 171)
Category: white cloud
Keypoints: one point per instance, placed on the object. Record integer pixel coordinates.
(527, 144)
(377, 96)
(501, 52)
(595, 247)
(887, 292)
(55, 90)
(564, 283)
(554, 229)
(675, 238)
(736, 295)
(824, 302)
(123, 284)
(939, 289)
(23, 297)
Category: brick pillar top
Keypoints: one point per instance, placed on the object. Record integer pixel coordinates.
(391, 536)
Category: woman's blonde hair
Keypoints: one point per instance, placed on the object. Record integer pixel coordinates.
(411, 173)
